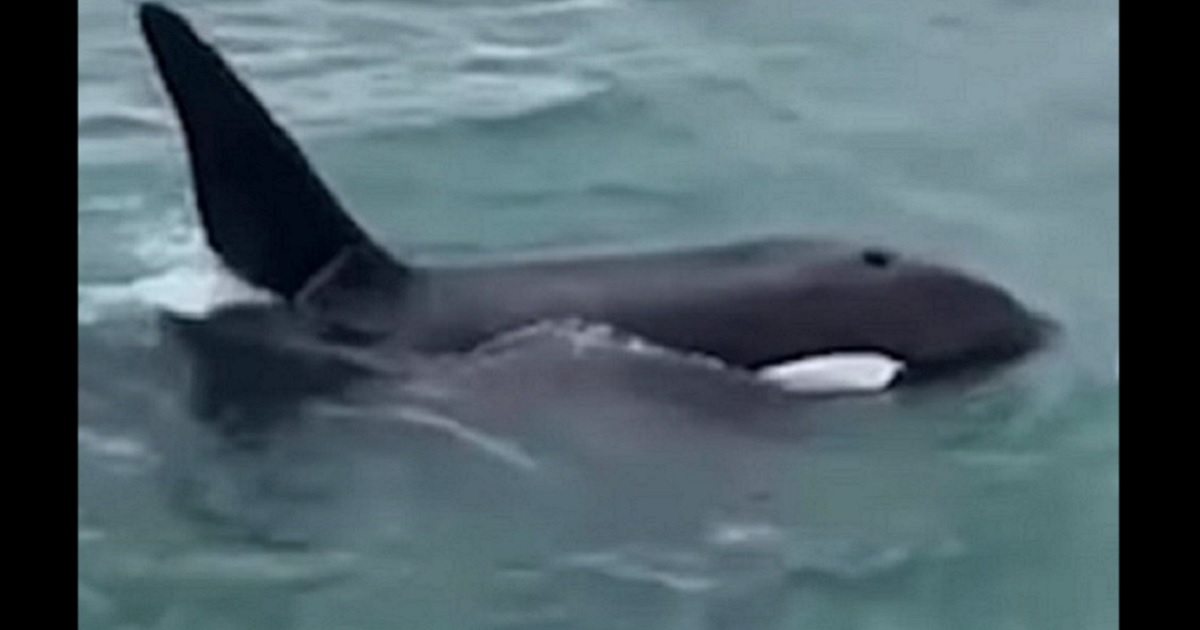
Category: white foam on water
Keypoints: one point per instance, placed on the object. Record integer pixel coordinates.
(118, 454)
(189, 289)
(679, 572)
(745, 534)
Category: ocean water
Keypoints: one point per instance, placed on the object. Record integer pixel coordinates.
(563, 476)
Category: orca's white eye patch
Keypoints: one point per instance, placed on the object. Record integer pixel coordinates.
(838, 373)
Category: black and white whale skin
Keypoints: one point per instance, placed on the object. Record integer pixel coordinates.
(273, 223)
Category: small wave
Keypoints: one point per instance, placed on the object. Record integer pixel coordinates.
(113, 203)
(743, 553)
(186, 289)
(846, 559)
(126, 453)
(239, 569)
(94, 606)
(1003, 463)
(745, 535)
(678, 572)
(88, 535)
(493, 97)
(126, 121)
(546, 7)
(170, 242)
(502, 450)
(506, 60)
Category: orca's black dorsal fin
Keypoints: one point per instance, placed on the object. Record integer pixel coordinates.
(264, 210)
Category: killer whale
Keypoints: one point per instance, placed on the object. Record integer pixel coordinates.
(272, 221)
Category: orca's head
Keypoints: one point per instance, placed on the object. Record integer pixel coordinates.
(937, 320)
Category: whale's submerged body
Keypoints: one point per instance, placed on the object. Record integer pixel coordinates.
(273, 223)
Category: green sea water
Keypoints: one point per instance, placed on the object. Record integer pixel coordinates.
(534, 489)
